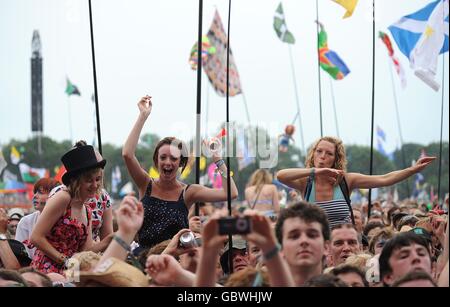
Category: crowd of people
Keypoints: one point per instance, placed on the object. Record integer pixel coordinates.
(175, 234)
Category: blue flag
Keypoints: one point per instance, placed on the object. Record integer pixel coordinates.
(422, 36)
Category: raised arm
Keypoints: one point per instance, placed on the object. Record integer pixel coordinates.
(138, 174)
(197, 193)
(264, 237)
(7, 256)
(296, 177)
(53, 210)
(360, 181)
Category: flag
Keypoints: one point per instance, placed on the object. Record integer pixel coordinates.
(127, 189)
(153, 173)
(216, 65)
(71, 89)
(380, 134)
(279, 24)
(398, 67)
(32, 174)
(329, 60)
(349, 5)
(116, 178)
(421, 37)
(8, 176)
(60, 171)
(207, 50)
(243, 153)
(15, 155)
(381, 139)
(2, 161)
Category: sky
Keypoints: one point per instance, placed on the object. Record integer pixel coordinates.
(142, 47)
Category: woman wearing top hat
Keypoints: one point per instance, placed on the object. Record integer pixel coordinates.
(64, 226)
(166, 200)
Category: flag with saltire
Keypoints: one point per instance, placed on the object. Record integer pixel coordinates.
(116, 178)
(330, 60)
(15, 155)
(349, 5)
(71, 89)
(279, 24)
(398, 67)
(421, 37)
(32, 174)
(216, 65)
(3, 162)
(207, 50)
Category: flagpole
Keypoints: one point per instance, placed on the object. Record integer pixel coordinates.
(318, 69)
(230, 238)
(70, 120)
(399, 125)
(373, 104)
(442, 125)
(300, 126)
(199, 99)
(334, 107)
(97, 111)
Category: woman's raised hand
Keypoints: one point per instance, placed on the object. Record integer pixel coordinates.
(423, 162)
(145, 105)
(332, 175)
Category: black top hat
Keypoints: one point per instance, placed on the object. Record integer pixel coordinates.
(79, 159)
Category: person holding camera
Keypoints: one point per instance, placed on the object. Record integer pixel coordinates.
(253, 227)
(167, 200)
(326, 182)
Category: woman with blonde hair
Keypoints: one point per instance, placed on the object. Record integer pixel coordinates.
(64, 226)
(326, 182)
(261, 194)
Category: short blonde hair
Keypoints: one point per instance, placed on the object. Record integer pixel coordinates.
(340, 161)
(358, 260)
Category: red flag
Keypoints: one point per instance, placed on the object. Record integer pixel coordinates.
(61, 171)
(398, 68)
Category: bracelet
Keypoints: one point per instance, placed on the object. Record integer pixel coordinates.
(272, 253)
(312, 173)
(219, 163)
(122, 243)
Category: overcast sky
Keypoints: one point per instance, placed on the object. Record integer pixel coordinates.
(142, 47)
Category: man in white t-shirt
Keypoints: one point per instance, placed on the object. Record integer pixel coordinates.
(41, 190)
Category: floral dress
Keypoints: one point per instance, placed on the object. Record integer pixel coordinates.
(67, 236)
(98, 205)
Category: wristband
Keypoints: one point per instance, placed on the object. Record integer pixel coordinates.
(272, 253)
(122, 243)
(312, 173)
(219, 163)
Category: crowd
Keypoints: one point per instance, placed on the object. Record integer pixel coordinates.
(176, 234)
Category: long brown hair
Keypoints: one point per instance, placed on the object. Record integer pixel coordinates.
(340, 161)
(184, 157)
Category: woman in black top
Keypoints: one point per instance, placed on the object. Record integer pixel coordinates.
(166, 200)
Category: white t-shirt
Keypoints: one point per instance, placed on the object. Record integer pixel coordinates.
(24, 229)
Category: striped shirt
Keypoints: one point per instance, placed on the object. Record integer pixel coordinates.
(337, 209)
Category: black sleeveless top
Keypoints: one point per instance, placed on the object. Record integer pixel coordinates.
(162, 218)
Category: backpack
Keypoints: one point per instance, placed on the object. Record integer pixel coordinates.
(344, 188)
